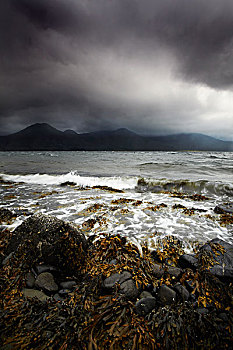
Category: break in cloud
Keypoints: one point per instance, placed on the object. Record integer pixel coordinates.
(153, 66)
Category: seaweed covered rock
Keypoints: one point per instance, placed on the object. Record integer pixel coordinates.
(224, 208)
(221, 253)
(50, 240)
(6, 215)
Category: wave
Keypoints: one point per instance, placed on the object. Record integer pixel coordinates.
(120, 183)
(185, 186)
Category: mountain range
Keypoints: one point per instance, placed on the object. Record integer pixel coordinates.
(43, 137)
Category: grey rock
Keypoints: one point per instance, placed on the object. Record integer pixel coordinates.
(182, 291)
(158, 271)
(46, 282)
(68, 284)
(224, 208)
(145, 294)
(166, 295)
(110, 281)
(57, 297)
(44, 233)
(64, 292)
(33, 293)
(145, 306)
(188, 261)
(113, 262)
(223, 316)
(223, 269)
(128, 288)
(30, 280)
(174, 271)
(45, 268)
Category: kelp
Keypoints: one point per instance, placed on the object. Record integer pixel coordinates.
(92, 318)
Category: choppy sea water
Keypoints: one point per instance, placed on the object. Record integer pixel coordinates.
(144, 213)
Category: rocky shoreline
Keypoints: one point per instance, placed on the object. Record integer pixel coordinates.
(60, 290)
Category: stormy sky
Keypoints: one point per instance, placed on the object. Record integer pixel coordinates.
(153, 66)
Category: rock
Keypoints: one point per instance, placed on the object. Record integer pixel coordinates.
(30, 280)
(64, 292)
(166, 295)
(223, 268)
(50, 240)
(68, 284)
(145, 305)
(223, 317)
(57, 297)
(224, 208)
(5, 215)
(158, 271)
(128, 288)
(181, 291)
(68, 183)
(145, 294)
(45, 268)
(174, 271)
(188, 261)
(33, 293)
(113, 262)
(46, 282)
(110, 281)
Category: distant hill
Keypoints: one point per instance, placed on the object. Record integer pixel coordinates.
(42, 137)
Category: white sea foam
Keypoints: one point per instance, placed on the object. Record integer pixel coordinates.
(45, 179)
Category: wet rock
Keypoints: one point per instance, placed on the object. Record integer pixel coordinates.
(128, 288)
(181, 291)
(223, 317)
(145, 294)
(34, 293)
(68, 183)
(45, 268)
(64, 292)
(223, 268)
(46, 236)
(145, 305)
(158, 271)
(5, 215)
(68, 284)
(46, 282)
(30, 280)
(166, 295)
(110, 281)
(57, 297)
(224, 208)
(174, 271)
(188, 261)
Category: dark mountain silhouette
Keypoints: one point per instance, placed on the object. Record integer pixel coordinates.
(42, 136)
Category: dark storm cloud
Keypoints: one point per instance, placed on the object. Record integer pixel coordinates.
(152, 65)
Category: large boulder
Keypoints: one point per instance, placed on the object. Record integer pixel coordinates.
(50, 240)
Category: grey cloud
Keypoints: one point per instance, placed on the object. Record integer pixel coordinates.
(104, 64)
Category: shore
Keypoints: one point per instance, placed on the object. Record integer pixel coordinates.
(62, 290)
